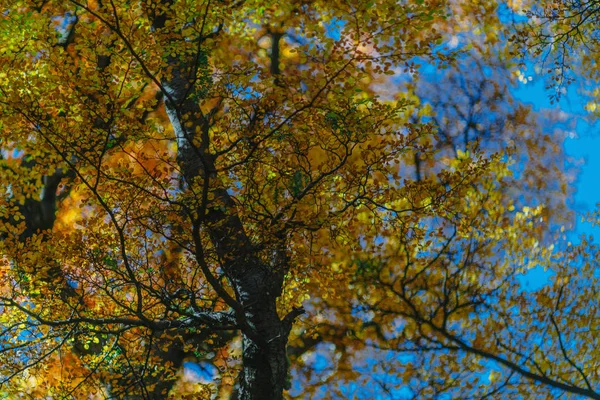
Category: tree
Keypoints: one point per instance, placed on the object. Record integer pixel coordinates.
(449, 271)
(170, 230)
(185, 180)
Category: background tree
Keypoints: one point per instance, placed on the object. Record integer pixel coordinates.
(469, 109)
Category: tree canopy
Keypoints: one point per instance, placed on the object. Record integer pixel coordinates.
(314, 199)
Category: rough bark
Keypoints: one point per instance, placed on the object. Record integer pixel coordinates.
(256, 283)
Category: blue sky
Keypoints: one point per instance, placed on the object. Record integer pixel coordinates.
(583, 147)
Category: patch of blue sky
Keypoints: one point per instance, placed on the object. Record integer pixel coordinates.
(244, 92)
(333, 28)
(508, 16)
(204, 372)
(583, 144)
(534, 279)
(322, 358)
(376, 370)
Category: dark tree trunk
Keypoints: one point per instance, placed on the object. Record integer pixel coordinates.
(257, 283)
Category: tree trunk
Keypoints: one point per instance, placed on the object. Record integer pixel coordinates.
(256, 282)
(265, 369)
